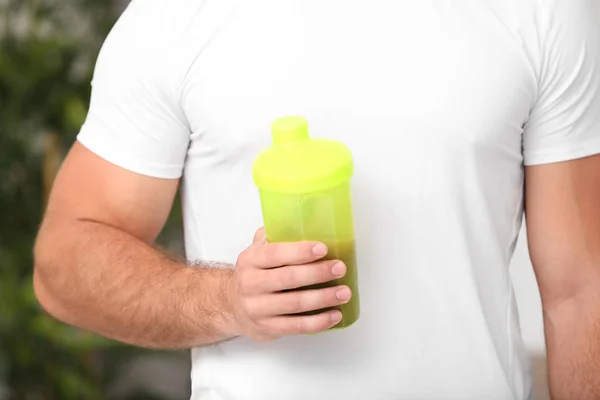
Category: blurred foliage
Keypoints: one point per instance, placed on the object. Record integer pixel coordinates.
(47, 53)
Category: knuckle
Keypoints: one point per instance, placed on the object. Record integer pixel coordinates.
(324, 322)
(262, 327)
(313, 274)
(276, 331)
(304, 250)
(272, 251)
(270, 331)
(293, 303)
(330, 298)
(288, 277)
(324, 271)
(299, 326)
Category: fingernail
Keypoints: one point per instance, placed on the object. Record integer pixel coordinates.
(339, 269)
(320, 250)
(344, 294)
(335, 316)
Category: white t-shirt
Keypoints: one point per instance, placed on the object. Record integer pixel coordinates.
(442, 104)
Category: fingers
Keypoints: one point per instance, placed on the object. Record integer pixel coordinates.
(298, 301)
(303, 325)
(265, 304)
(272, 255)
(292, 277)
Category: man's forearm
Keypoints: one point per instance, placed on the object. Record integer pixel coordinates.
(102, 279)
(573, 347)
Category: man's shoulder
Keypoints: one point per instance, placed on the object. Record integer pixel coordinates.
(158, 40)
(178, 15)
(164, 22)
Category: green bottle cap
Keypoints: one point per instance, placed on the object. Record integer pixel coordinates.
(297, 164)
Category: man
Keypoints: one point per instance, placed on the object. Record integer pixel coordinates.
(451, 108)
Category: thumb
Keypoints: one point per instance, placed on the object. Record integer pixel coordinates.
(260, 236)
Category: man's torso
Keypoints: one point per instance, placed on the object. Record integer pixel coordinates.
(431, 97)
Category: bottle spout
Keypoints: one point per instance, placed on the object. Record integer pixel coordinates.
(289, 130)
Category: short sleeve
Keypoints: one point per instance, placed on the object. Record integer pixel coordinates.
(564, 123)
(135, 120)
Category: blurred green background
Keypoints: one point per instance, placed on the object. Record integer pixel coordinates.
(47, 53)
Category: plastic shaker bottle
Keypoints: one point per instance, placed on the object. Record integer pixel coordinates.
(304, 188)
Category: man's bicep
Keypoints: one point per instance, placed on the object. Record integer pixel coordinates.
(131, 150)
(89, 188)
(563, 224)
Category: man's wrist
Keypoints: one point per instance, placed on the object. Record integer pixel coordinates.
(229, 324)
(212, 301)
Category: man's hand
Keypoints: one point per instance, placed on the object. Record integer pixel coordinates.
(262, 289)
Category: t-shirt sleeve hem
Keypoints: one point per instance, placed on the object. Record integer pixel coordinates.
(126, 161)
(581, 150)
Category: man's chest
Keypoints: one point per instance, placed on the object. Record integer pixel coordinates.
(429, 77)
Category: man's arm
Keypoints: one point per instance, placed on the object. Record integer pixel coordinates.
(563, 221)
(95, 266)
